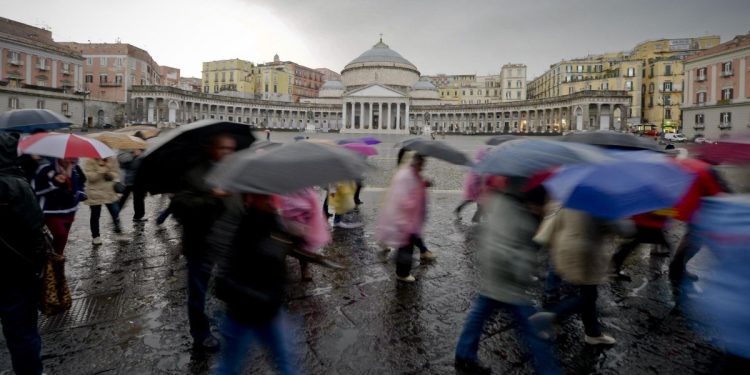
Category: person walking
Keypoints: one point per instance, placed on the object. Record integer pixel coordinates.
(129, 162)
(507, 260)
(59, 188)
(101, 177)
(403, 215)
(576, 242)
(197, 207)
(250, 245)
(341, 201)
(472, 190)
(22, 257)
(649, 229)
(301, 215)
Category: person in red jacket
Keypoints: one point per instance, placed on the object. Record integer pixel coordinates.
(649, 230)
(706, 184)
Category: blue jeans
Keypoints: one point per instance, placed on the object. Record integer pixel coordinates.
(239, 337)
(483, 309)
(199, 272)
(18, 314)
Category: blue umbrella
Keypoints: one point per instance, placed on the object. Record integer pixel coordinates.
(619, 189)
(28, 120)
(527, 157)
(365, 140)
(299, 137)
(723, 224)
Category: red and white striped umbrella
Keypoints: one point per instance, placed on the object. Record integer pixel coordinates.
(58, 145)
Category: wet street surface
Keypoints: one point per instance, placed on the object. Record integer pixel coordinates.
(129, 314)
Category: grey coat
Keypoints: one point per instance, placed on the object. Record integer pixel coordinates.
(507, 255)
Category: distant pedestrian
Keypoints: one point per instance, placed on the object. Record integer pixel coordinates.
(22, 256)
(403, 215)
(102, 175)
(250, 245)
(508, 261)
(129, 163)
(197, 207)
(268, 134)
(59, 187)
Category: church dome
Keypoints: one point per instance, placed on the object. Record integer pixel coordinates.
(331, 89)
(424, 89)
(424, 83)
(381, 53)
(380, 65)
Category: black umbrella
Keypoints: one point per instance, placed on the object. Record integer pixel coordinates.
(169, 156)
(436, 149)
(612, 139)
(498, 139)
(28, 120)
(287, 168)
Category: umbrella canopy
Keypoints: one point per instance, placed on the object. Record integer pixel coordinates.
(299, 137)
(619, 189)
(286, 169)
(527, 157)
(498, 139)
(120, 141)
(612, 139)
(58, 145)
(171, 155)
(730, 152)
(28, 120)
(436, 149)
(144, 130)
(361, 148)
(365, 140)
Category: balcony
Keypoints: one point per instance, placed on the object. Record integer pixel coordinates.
(700, 78)
(42, 67)
(110, 84)
(725, 125)
(15, 62)
(65, 72)
(724, 101)
(699, 126)
(699, 104)
(674, 88)
(727, 73)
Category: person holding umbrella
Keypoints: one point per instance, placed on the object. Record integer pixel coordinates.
(129, 162)
(59, 187)
(101, 177)
(472, 190)
(196, 207)
(403, 215)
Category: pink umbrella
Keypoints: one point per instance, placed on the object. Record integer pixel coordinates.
(58, 145)
(361, 148)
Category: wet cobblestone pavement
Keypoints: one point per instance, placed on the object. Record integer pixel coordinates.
(129, 314)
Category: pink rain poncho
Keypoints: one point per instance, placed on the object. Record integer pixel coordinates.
(473, 184)
(405, 208)
(303, 216)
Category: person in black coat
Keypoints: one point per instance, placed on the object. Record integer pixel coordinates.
(22, 257)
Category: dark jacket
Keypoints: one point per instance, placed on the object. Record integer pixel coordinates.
(21, 219)
(251, 269)
(59, 199)
(196, 208)
(129, 166)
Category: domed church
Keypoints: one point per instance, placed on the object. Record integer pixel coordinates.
(376, 91)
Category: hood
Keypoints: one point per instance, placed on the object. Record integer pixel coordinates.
(8, 150)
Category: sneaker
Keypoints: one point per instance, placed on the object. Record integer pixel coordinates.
(427, 255)
(209, 345)
(407, 279)
(96, 240)
(471, 367)
(345, 225)
(542, 324)
(140, 219)
(601, 340)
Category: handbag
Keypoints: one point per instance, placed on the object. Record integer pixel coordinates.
(56, 296)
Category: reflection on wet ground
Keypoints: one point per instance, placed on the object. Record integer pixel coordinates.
(358, 320)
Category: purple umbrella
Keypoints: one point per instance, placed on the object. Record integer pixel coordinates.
(365, 140)
(360, 148)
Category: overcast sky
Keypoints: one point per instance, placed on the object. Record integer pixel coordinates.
(438, 36)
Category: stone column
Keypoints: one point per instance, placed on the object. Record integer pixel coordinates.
(406, 117)
(398, 116)
(343, 117)
(390, 118)
(380, 116)
(369, 116)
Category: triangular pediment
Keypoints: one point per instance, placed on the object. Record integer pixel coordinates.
(377, 91)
